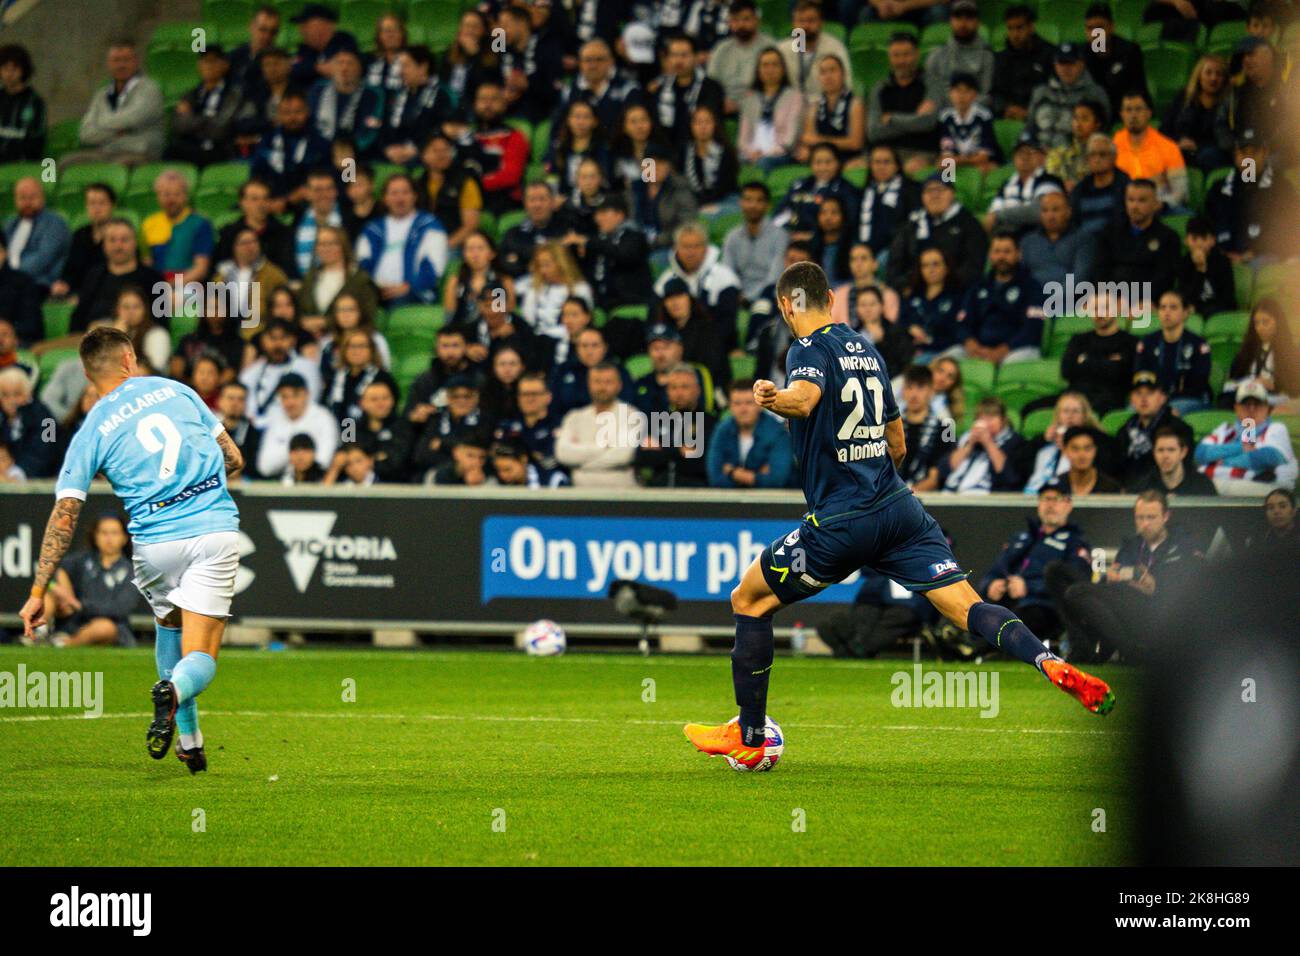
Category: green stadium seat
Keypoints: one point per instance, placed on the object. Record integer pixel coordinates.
(57, 317)
(230, 18)
(174, 36)
(1021, 382)
(1058, 332)
(52, 359)
(1177, 223)
(173, 68)
(638, 365)
(869, 68)
(978, 374)
(223, 177)
(541, 140)
(1218, 375)
(868, 36)
(1007, 132)
(1204, 422)
(508, 220)
(1034, 425)
(1196, 324)
(1113, 421)
(719, 226)
(780, 180)
(63, 137)
(358, 17)
(1225, 36)
(993, 182)
(1227, 326)
(750, 173)
(638, 312)
(1167, 67)
(181, 326)
(10, 173)
(1195, 188)
(414, 321)
(970, 186)
(1243, 280)
(1224, 351)
(77, 177)
(743, 366)
(857, 176)
(383, 171)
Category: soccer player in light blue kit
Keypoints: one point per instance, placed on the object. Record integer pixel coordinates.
(168, 458)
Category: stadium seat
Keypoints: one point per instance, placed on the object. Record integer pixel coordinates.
(1066, 16)
(743, 366)
(508, 220)
(1204, 422)
(63, 137)
(175, 71)
(722, 224)
(52, 359)
(77, 177)
(57, 317)
(181, 326)
(174, 36)
(1113, 421)
(1060, 330)
(1196, 324)
(1034, 425)
(10, 173)
(978, 374)
(1224, 351)
(857, 176)
(230, 18)
(1225, 37)
(488, 223)
(993, 182)
(750, 173)
(1243, 280)
(1007, 132)
(780, 180)
(541, 140)
(639, 312)
(869, 36)
(638, 365)
(383, 171)
(223, 177)
(1227, 326)
(1195, 188)
(358, 17)
(1177, 223)
(869, 68)
(1167, 68)
(1040, 376)
(420, 322)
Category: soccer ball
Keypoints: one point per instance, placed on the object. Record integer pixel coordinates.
(773, 747)
(544, 639)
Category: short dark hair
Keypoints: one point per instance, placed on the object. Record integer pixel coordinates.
(1172, 431)
(1002, 232)
(1153, 494)
(1096, 109)
(1101, 10)
(903, 36)
(742, 385)
(104, 188)
(421, 55)
(808, 278)
(1286, 493)
(758, 186)
(918, 375)
(1019, 11)
(1144, 183)
(102, 345)
(1200, 226)
(1137, 93)
(1075, 431)
(17, 54)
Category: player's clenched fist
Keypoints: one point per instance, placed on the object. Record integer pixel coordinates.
(765, 392)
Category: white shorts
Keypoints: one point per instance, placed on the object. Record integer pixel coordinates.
(194, 574)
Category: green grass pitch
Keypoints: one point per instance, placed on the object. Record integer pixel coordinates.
(494, 758)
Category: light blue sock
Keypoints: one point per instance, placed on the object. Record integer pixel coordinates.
(167, 653)
(192, 675)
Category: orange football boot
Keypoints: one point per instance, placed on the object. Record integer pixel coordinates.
(723, 740)
(1093, 692)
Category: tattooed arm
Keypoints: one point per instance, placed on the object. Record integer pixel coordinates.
(230, 451)
(58, 537)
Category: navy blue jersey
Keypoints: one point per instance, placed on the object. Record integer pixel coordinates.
(841, 446)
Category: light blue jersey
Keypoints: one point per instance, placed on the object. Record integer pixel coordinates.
(155, 442)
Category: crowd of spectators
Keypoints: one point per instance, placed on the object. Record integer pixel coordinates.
(546, 252)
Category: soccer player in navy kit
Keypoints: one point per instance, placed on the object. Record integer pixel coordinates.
(848, 436)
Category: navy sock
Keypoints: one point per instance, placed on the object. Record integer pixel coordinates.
(751, 665)
(1001, 628)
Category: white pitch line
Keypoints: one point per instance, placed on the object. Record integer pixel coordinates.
(335, 715)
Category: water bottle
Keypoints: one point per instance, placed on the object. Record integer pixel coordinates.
(798, 639)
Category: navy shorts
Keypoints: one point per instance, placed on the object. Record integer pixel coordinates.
(900, 540)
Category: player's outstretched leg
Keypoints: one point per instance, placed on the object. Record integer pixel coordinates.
(1000, 627)
(752, 605)
(167, 654)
